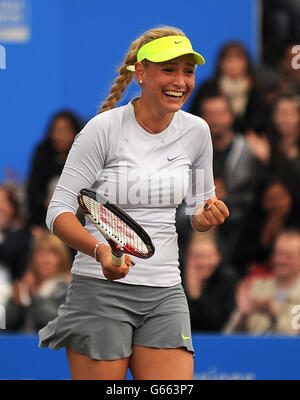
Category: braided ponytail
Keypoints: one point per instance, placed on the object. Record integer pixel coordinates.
(125, 76)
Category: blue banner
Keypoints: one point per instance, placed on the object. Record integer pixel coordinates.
(216, 358)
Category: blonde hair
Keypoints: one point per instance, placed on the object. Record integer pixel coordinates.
(125, 76)
(53, 243)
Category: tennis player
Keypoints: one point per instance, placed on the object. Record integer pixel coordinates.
(136, 317)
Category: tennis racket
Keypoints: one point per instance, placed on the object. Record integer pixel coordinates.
(123, 234)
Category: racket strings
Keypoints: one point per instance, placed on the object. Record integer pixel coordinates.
(114, 226)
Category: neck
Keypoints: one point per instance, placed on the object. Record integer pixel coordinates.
(152, 120)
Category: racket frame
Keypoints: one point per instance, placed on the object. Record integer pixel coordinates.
(117, 250)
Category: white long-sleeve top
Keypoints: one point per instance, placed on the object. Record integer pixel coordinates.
(147, 175)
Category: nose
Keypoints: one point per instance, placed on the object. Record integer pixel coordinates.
(179, 79)
(279, 259)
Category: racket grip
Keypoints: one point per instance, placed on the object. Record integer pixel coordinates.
(118, 260)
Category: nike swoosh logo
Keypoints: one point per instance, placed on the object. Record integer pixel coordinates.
(185, 337)
(177, 42)
(172, 158)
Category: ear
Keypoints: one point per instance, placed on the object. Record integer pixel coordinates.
(139, 71)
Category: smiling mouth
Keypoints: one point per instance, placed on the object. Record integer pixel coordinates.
(174, 94)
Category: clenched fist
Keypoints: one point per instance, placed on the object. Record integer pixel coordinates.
(213, 213)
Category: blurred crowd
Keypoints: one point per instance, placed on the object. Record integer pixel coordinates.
(35, 264)
(243, 276)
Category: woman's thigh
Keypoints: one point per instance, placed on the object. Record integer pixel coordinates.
(85, 368)
(168, 364)
(145, 363)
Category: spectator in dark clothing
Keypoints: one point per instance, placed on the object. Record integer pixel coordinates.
(15, 250)
(280, 25)
(210, 286)
(10, 214)
(284, 138)
(37, 296)
(279, 149)
(288, 76)
(274, 210)
(234, 167)
(11, 253)
(47, 162)
(15, 236)
(234, 77)
(284, 78)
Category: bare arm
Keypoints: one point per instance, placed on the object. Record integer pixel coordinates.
(68, 228)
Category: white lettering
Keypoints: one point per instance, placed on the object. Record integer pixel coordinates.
(296, 59)
(2, 57)
(2, 317)
(123, 390)
(296, 319)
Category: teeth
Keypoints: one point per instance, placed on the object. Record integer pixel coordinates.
(175, 94)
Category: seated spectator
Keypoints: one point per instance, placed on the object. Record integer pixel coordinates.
(234, 77)
(47, 162)
(279, 151)
(283, 79)
(288, 77)
(10, 215)
(37, 296)
(280, 25)
(274, 210)
(209, 285)
(10, 223)
(234, 167)
(15, 236)
(265, 303)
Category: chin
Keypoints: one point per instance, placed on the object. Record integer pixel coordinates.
(173, 107)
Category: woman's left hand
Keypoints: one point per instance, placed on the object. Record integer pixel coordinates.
(212, 214)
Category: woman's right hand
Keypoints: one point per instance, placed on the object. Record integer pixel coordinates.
(111, 271)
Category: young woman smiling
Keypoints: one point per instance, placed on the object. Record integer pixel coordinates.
(120, 317)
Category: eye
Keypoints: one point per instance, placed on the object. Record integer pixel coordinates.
(190, 72)
(168, 69)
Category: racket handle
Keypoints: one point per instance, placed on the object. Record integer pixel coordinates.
(118, 260)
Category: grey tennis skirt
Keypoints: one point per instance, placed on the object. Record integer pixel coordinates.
(104, 319)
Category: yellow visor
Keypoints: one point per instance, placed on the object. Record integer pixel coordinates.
(167, 48)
